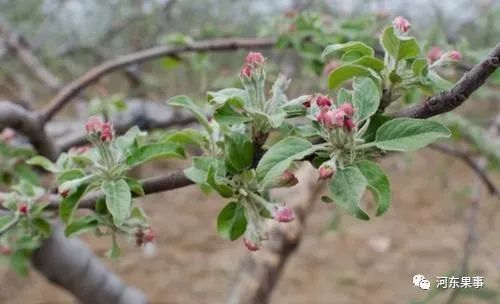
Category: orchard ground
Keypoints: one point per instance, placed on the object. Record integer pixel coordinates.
(360, 262)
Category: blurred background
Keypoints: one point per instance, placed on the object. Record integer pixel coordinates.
(440, 219)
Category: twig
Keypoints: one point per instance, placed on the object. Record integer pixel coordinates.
(471, 239)
(471, 162)
(454, 97)
(17, 45)
(216, 45)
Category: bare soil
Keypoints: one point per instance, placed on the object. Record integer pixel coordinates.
(359, 262)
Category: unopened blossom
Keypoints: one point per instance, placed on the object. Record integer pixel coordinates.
(307, 103)
(144, 236)
(252, 246)
(284, 214)
(347, 108)
(339, 118)
(7, 134)
(254, 59)
(246, 71)
(93, 125)
(23, 208)
(326, 171)
(332, 65)
(434, 54)
(401, 24)
(288, 179)
(5, 250)
(107, 132)
(452, 55)
(323, 101)
(349, 124)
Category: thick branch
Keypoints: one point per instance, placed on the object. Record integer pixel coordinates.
(69, 263)
(454, 97)
(28, 123)
(216, 45)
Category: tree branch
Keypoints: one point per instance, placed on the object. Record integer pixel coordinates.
(216, 45)
(69, 263)
(17, 45)
(454, 97)
(471, 162)
(28, 123)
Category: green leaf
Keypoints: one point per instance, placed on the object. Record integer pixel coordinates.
(118, 200)
(378, 184)
(186, 102)
(44, 163)
(186, 137)
(5, 221)
(125, 141)
(135, 186)
(344, 96)
(223, 189)
(230, 96)
(239, 150)
(399, 47)
(20, 262)
(69, 203)
(279, 158)
(198, 171)
(231, 222)
(42, 226)
(226, 115)
(420, 67)
(347, 188)
(404, 134)
(356, 46)
(366, 98)
(369, 62)
(81, 225)
(69, 175)
(152, 151)
(346, 72)
(376, 121)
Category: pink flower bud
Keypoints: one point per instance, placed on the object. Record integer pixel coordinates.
(323, 101)
(288, 179)
(332, 65)
(326, 171)
(307, 103)
(339, 118)
(254, 59)
(5, 250)
(347, 108)
(401, 24)
(453, 55)
(149, 235)
(349, 124)
(93, 125)
(7, 135)
(107, 132)
(246, 71)
(23, 208)
(284, 214)
(251, 245)
(82, 149)
(434, 53)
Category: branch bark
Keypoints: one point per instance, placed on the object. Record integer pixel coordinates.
(28, 123)
(216, 45)
(70, 264)
(454, 97)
